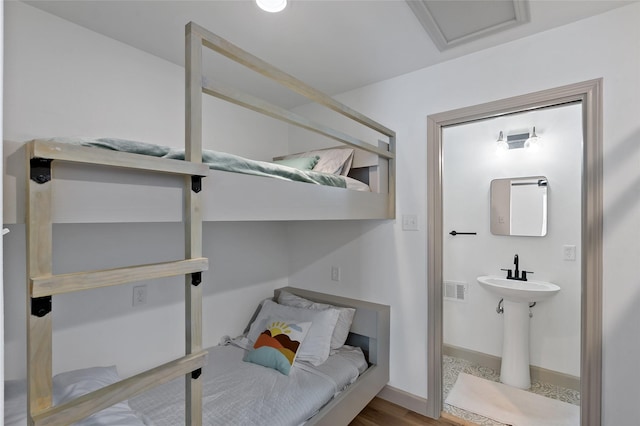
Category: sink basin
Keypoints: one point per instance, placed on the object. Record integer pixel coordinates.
(519, 291)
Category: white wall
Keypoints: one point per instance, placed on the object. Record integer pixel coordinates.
(63, 80)
(470, 164)
(387, 265)
(1, 220)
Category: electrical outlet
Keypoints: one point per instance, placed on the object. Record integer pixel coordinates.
(569, 252)
(335, 273)
(139, 295)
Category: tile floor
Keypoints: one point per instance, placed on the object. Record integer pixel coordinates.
(453, 366)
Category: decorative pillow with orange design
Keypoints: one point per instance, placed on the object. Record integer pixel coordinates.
(277, 346)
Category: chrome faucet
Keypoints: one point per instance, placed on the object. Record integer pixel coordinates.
(515, 274)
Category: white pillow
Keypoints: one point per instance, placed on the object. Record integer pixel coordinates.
(316, 346)
(72, 384)
(15, 403)
(345, 317)
(68, 386)
(336, 161)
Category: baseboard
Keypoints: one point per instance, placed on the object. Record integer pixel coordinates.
(493, 362)
(404, 399)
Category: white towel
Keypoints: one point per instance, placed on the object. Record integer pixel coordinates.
(510, 405)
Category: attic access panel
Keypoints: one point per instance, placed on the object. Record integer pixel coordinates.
(452, 23)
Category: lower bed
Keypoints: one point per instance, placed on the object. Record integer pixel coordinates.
(240, 393)
(236, 392)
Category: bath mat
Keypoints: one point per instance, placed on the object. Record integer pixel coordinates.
(510, 405)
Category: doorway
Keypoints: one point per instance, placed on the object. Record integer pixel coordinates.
(590, 245)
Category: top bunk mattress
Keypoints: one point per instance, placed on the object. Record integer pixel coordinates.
(215, 160)
(241, 393)
(92, 193)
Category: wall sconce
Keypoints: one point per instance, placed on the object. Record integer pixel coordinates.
(272, 6)
(501, 144)
(533, 142)
(521, 140)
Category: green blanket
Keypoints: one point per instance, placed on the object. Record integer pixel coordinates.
(215, 160)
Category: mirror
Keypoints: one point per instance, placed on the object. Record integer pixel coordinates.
(519, 206)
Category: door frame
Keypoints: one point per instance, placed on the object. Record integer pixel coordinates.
(589, 93)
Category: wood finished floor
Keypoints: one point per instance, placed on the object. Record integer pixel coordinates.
(383, 413)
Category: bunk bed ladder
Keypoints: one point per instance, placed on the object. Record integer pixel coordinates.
(42, 284)
(193, 227)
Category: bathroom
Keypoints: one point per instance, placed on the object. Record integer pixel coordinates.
(474, 154)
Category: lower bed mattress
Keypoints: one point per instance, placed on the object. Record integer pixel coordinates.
(235, 392)
(241, 393)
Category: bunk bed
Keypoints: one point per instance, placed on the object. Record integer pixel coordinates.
(52, 197)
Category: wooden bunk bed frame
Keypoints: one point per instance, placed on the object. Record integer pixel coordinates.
(40, 215)
(198, 38)
(224, 198)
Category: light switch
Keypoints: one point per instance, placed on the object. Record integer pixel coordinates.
(409, 222)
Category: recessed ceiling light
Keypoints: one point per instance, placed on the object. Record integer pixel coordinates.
(272, 5)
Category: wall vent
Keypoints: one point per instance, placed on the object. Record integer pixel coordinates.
(456, 291)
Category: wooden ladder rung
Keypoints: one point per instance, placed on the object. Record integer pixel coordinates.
(66, 283)
(88, 155)
(100, 399)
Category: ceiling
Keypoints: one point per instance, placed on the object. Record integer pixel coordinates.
(333, 45)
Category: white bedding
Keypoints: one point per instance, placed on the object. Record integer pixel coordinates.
(242, 393)
(356, 185)
(235, 392)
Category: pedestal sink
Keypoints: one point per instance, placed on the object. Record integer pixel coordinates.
(517, 295)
